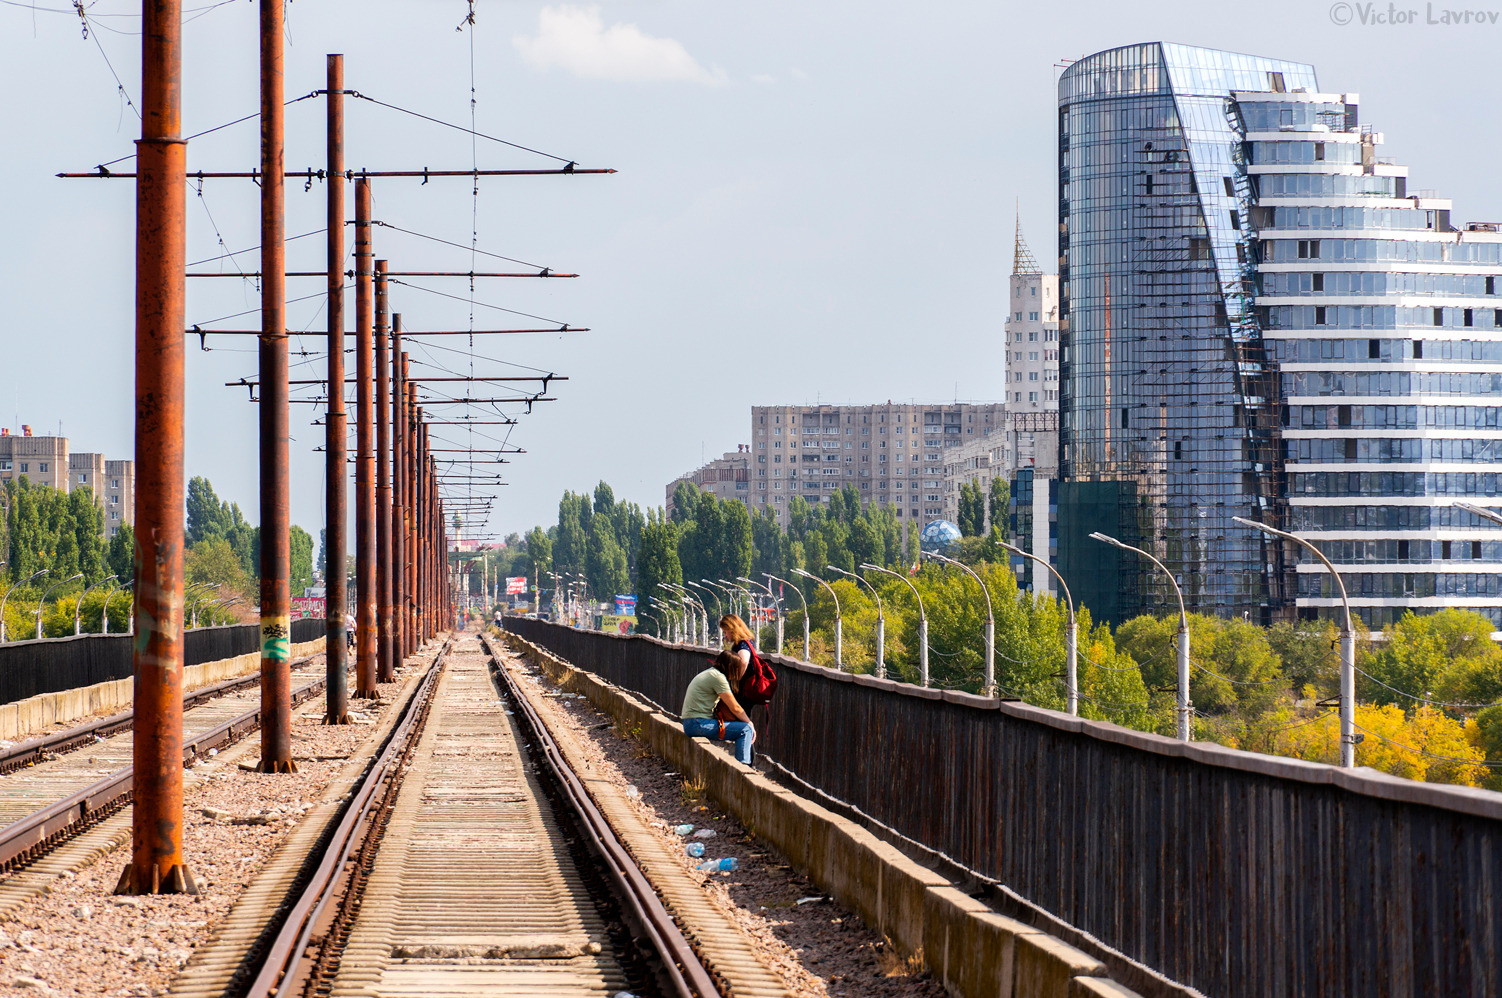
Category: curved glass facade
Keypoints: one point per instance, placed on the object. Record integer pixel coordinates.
(1258, 320)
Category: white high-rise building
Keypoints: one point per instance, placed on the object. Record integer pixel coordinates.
(1031, 370)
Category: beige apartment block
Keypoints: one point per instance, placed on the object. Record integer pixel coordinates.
(43, 460)
(892, 453)
(47, 461)
(1025, 441)
(726, 477)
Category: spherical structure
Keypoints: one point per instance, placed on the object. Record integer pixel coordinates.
(938, 535)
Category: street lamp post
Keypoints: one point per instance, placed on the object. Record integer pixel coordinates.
(18, 582)
(750, 609)
(104, 618)
(1072, 651)
(839, 636)
(776, 609)
(713, 594)
(78, 607)
(1186, 709)
(990, 679)
(696, 602)
(922, 620)
(804, 603)
(881, 621)
(48, 592)
(1347, 636)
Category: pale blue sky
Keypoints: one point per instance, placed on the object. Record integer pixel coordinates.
(815, 200)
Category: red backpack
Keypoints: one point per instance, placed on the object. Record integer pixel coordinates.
(759, 684)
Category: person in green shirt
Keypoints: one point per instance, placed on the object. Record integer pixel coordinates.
(710, 689)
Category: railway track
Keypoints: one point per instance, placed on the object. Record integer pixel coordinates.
(82, 775)
(472, 860)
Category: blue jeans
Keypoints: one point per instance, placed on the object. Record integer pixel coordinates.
(739, 732)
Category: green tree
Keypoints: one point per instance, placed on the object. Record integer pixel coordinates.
(1233, 669)
(1447, 656)
(301, 574)
(569, 546)
(121, 556)
(657, 563)
(966, 524)
(207, 515)
(1001, 498)
(604, 561)
(213, 562)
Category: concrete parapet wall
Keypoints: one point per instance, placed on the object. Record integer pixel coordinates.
(968, 947)
(34, 715)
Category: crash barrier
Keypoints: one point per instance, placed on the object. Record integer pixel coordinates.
(51, 665)
(1234, 873)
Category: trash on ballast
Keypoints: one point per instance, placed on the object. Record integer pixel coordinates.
(682, 829)
(810, 900)
(705, 833)
(624, 994)
(694, 849)
(719, 865)
(632, 792)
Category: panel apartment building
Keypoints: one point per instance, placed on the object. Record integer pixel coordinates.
(1260, 318)
(1031, 367)
(47, 461)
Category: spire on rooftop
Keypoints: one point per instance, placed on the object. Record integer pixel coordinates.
(1022, 257)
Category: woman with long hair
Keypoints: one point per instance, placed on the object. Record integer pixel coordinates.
(737, 637)
(713, 688)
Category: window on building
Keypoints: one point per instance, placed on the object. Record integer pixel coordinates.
(23, 467)
(42, 467)
(84, 479)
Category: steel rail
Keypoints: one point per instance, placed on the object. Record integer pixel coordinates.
(26, 753)
(30, 837)
(292, 940)
(686, 973)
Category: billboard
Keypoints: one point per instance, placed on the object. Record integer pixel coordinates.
(625, 606)
(304, 607)
(516, 584)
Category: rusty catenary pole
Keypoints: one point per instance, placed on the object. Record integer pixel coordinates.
(398, 556)
(336, 445)
(385, 668)
(156, 861)
(409, 485)
(276, 552)
(365, 541)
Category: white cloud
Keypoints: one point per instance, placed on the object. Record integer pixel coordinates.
(763, 78)
(798, 74)
(576, 39)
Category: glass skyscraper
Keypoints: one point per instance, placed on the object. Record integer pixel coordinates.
(1260, 319)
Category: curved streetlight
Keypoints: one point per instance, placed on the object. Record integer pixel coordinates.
(989, 688)
(207, 587)
(776, 609)
(104, 617)
(922, 619)
(1073, 641)
(839, 636)
(694, 602)
(750, 604)
(48, 592)
(1348, 635)
(18, 582)
(713, 594)
(684, 610)
(671, 613)
(1186, 709)
(78, 607)
(881, 621)
(721, 588)
(803, 601)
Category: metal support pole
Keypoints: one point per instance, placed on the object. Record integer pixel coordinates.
(409, 483)
(1185, 710)
(1073, 664)
(1186, 707)
(365, 541)
(990, 685)
(156, 863)
(923, 652)
(385, 666)
(336, 446)
(398, 495)
(276, 485)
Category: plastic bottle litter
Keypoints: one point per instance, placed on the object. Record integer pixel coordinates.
(705, 833)
(682, 829)
(694, 849)
(632, 792)
(719, 865)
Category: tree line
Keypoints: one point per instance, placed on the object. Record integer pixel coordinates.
(1429, 693)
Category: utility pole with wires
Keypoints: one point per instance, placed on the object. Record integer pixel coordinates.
(336, 441)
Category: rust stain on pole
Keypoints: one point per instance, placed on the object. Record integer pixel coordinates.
(385, 668)
(336, 483)
(365, 541)
(156, 862)
(276, 553)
